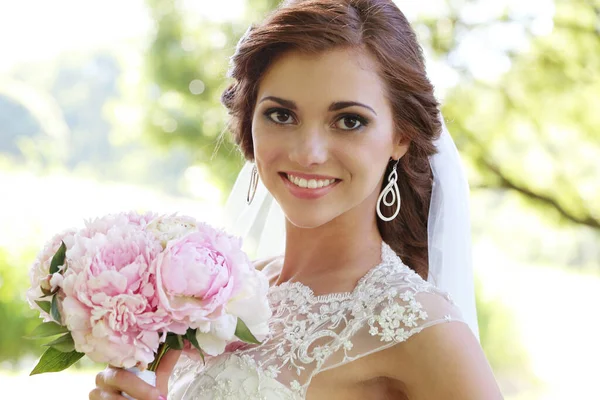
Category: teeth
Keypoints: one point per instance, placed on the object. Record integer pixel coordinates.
(311, 183)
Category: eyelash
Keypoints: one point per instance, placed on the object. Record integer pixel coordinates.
(363, 121)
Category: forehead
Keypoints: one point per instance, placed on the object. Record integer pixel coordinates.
(334, 75)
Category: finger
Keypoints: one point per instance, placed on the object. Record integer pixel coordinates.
(116, 380)
(101, 380)
(99, 394)
(165, 368)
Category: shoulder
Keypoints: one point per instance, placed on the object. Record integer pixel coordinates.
(402, 304)
(442, 361)
(398, 295)
(424, 342)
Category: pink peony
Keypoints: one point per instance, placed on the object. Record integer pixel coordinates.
(167, 228)
(129, 279)
(39, 271)
(110, 304)
(198, 276)
(115, 221)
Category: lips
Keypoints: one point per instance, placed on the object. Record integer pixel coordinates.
(307, 176)
(306, 186)
(310, 183)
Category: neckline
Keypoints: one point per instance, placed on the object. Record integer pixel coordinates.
(386, 254)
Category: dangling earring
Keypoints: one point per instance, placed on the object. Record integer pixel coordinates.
(253, 185)
(391, 188)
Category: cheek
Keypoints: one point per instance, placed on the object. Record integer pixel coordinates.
(367, 157)
(259, 138)
(268, 144)
(368, 161)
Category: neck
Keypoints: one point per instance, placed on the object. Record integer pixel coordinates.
(332, 257)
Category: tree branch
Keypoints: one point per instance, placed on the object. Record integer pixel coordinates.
(507, 183)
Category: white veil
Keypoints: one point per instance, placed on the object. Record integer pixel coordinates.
(262, 225)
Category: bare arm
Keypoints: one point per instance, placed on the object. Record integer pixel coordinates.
(443, 361)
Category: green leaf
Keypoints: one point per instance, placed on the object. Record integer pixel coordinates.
(191, 336)
(44, 305)
(63, 344)
(47, 329)
(59, 258)
(54, 309)
(242, 332)
(54, 360)
(174, 341)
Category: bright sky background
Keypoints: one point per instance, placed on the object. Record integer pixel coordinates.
(45, 28)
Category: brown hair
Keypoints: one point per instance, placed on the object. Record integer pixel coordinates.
(381, 29)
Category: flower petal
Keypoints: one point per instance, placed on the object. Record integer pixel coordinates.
(210, 344)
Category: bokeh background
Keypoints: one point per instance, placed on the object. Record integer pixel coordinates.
(113, 105)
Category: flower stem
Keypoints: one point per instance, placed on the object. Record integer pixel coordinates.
(162, 350)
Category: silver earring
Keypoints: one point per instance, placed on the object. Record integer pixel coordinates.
(253, 185)
(390, 189)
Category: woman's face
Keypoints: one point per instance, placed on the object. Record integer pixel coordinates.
(323, 133)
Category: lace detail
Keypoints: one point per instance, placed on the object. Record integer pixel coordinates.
(227, 378)
(311, 334)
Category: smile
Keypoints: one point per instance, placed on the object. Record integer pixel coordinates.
(308, 187)
(309, 183)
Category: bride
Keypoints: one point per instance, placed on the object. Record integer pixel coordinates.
(373, 297)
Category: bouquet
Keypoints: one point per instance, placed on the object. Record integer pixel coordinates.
(128, 287)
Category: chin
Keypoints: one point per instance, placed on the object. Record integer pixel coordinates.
(308, 221)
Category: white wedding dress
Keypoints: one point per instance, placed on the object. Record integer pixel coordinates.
(311, 334)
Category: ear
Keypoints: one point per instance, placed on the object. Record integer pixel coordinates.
(400, 148)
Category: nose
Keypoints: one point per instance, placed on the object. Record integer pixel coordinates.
(309, 147)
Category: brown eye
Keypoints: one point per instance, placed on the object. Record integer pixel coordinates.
(280, 117)
(350, 122)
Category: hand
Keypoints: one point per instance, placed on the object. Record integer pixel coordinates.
(112, 381)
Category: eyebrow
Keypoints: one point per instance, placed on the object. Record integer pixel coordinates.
(336, 106)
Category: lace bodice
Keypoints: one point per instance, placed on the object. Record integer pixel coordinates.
(311, 334)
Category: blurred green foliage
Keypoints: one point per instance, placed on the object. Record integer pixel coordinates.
(186, 66)
(498, 334)
(534, 129)
(500, 339)
(18, 320)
